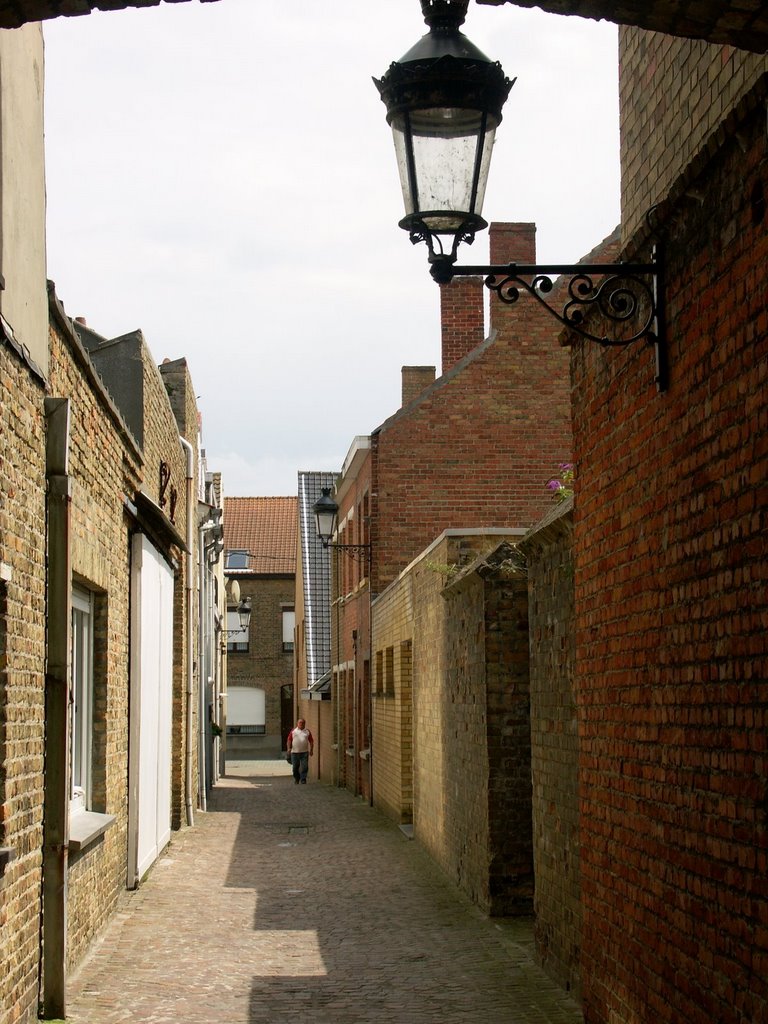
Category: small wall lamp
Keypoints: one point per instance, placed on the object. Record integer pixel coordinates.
(326, 513)
(244, 613)
(444, 99)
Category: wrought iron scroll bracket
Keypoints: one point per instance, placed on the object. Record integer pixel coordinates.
(629, 297)
(361, 551)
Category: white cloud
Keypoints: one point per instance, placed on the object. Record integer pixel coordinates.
(222, 176)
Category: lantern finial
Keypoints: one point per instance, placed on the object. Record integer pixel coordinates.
(444, 14)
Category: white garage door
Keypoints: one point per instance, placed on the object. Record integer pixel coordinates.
(149, 798)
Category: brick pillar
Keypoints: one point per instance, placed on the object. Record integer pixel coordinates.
(461, 318)
(415, 379)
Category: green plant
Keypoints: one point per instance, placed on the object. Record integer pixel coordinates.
(562, 485)
(443, 569)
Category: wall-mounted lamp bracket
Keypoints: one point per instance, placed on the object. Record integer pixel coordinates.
(361, 551)
(619, 292)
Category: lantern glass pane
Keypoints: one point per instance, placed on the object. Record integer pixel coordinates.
(445, 142)
(325, 524)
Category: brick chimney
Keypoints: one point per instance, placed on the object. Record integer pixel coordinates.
(415, 379)
(462, 318)
(513, 243)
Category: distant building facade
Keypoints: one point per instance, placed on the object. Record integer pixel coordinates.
(260, 556)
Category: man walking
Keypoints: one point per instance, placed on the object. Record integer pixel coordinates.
(300, 746)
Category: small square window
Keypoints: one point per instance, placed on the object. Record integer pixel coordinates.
(237, 559)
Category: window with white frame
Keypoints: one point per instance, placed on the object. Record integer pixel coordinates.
(81, 704)
(246, 711)
(237, 558)
(289, 625)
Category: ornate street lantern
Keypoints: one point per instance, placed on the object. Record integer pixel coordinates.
(444, 100)
(326, 511)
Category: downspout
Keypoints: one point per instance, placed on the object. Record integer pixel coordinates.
(190, 618)
(203, 660)
(371, 664)
(202, 765)
(340, 740)
(57, 719)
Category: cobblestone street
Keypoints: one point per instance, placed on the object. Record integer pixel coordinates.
(300, 902)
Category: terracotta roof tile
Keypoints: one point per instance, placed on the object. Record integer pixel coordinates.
(266, 528)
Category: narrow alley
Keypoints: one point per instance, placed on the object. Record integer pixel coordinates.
(301, 903)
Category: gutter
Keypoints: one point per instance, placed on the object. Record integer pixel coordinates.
(189, 611)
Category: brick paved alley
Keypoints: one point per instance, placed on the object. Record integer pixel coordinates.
(300, 902)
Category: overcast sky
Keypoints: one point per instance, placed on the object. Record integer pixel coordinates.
(222, 176)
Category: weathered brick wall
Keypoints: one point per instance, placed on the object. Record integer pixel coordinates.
(392, 710)
(486, 724)
(103, 466)
(671, 606)
(554, 747)
(507, 683)
(451, 731)
(674, 93)
(431, 751)
(459, 710)
(22, 683)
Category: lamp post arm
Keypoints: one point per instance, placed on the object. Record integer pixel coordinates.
(619, 292)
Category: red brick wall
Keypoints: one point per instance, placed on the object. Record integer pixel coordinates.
(674, 93)
(351, 634)
(671, 615)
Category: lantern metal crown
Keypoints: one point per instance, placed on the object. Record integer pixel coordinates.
(444, 100)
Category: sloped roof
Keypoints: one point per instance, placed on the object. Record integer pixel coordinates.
(266, 529)
(316, 576)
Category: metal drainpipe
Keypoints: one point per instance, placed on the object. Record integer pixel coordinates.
(202, 794)
(204, 632)
(371, 663)
(340, 744)
(190, 617)
(57, 719)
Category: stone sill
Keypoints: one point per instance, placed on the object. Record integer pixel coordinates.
(85, 827)
(365, 755)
